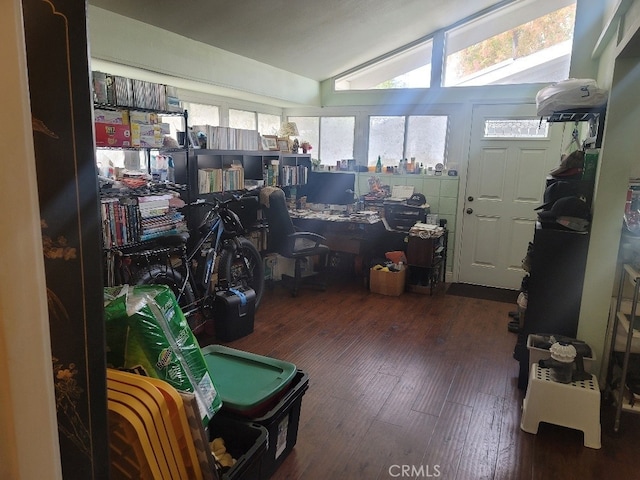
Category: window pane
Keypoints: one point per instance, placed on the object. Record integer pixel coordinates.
(242, 119)
(410, 68)
(427, 139)
(337, 139)
(309, 130)
(535, 51)
(268, 124)
(386, 139)
(108, 160)
(513, 128)
(200, 114)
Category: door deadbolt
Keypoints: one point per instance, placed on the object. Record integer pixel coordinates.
(470, 198)
(469, 211)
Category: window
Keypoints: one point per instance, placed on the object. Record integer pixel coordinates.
(332, 138)
(242, 119)
(427, 138)
(268, 124)
(336, 139)
(513, 128)
(513, 42)
(484, 52)
(423, 137)
(309, 130)
(386, 139)
(410, 68)
(200, 114)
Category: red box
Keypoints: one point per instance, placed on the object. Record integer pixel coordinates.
(112, 135)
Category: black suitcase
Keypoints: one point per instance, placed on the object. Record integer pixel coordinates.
(233, 313)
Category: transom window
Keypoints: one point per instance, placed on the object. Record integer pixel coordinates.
(514, 128)
(524, 41)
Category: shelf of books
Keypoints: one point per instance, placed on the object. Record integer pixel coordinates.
(128, 220)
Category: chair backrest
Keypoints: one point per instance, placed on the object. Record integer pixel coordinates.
(274, 205)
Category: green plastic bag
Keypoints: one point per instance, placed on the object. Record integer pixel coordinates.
(147, 332)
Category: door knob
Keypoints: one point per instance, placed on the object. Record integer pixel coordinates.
(469, 211)
(470, 198)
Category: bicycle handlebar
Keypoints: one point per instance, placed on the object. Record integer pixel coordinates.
(235, 197)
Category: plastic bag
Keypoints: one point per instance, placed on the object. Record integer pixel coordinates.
(570, 94)
(147, 332)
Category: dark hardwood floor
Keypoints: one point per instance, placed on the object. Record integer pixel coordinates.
(424, 382)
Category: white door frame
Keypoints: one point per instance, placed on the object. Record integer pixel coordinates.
(461, 216)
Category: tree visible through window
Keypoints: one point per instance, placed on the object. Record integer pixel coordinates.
(492, 61)
(504, 46)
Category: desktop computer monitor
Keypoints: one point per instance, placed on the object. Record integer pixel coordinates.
(335, 188)
(253, 168)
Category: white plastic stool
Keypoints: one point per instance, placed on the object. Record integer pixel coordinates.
(574, 405)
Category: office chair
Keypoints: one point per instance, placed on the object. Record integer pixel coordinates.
(285, 240)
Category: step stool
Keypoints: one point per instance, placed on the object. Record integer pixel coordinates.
(574, 405)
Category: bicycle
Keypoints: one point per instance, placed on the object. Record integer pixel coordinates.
(214, 256)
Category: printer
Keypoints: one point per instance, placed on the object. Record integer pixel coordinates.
(404, 208)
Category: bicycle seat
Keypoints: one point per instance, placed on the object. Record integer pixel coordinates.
(173, 240)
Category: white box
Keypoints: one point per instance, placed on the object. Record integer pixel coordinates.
(118, 117)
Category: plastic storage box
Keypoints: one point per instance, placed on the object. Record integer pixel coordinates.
(281, 423)
(249, 384)
(246, 442)
(536, 354)
(233, 313)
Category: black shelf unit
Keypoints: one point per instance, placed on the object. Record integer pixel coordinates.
(254, 164)
(556, 275)
(595, 117)
(557, 261)
(427, 261)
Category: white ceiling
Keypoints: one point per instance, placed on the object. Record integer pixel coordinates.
(317, 39)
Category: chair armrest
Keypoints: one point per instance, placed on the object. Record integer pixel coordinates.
(304, 242)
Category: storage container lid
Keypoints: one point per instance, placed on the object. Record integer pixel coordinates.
(244, 380)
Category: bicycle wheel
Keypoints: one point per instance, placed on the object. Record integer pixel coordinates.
(243, 266)
(161, 275)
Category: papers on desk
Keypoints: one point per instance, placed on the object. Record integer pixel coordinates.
(400, 193)
(426, 230)
(365, 216)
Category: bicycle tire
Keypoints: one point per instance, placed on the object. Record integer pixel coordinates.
(232, 267)
(161, 275)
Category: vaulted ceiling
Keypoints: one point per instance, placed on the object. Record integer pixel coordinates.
(317, 39)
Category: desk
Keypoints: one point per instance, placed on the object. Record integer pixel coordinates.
(363, 236)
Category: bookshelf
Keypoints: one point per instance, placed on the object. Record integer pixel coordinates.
(207, 172)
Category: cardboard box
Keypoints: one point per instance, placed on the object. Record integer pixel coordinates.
(120, 117)
(112, 135)
(144, 118)
(146, 135)
(387, 283)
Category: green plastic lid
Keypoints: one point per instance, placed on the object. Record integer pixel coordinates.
(246, 380)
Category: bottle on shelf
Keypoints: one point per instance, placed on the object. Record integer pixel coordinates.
(379, 165)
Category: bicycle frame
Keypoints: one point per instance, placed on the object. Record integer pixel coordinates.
(218, 245)
(202, 284)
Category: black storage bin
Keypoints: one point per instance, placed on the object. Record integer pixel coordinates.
(281, 423)
(233, 313)
(246, 442)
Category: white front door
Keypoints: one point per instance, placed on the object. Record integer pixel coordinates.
(509, 161)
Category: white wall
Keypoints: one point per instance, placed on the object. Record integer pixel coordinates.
(618, 162)
(121, 42)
